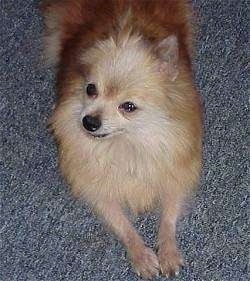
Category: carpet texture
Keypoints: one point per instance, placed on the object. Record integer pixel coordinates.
(47, 235)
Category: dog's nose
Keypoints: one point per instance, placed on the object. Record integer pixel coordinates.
(91, 123)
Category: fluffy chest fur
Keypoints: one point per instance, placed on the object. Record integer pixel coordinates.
(120, 167)
(135, 168)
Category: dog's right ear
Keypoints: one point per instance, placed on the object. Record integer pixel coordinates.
(61, 18)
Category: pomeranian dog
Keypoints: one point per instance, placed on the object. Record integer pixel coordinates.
(128, 118)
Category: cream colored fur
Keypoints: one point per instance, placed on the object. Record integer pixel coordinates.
(141, 160)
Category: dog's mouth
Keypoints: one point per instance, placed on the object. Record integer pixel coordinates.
(105, 135)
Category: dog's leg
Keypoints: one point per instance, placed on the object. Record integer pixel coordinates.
(143, 258)
(169, 256)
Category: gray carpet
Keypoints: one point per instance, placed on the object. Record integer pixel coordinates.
(47, 235)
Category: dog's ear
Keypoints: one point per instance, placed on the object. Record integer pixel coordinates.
(168, 54)
(61, 18)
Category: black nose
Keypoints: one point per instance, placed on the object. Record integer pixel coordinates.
(91, 123)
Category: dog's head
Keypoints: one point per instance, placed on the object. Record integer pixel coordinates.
(120, 89)
(113, 86)
(123, 89)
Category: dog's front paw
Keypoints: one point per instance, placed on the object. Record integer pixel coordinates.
(145, 262)
(170, 261)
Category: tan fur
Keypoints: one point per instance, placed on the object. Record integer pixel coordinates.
(153, 155)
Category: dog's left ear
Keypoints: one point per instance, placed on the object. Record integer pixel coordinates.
(168, 54)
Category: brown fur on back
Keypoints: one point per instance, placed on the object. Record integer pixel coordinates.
(80, 23)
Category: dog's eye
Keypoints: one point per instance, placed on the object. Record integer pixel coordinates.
(128, 106)
(91, 90)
